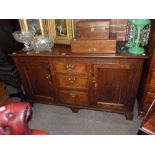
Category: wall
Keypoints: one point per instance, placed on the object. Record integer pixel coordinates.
(118, 26)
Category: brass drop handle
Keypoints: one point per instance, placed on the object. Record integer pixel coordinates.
(72, 94)
(95, 83)
(71, 79)
(48, 76)
(92, 29)
(92, 49)
(69, 66)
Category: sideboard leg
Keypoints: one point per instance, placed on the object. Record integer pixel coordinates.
(75, 110)
(129, 116)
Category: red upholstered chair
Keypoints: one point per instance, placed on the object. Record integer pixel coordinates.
(14, 117)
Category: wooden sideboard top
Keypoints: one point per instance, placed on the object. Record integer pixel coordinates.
(65, 51)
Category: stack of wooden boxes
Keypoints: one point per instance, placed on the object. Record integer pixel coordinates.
(93, 37)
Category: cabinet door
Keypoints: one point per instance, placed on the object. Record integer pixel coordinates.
(37, 80)
(112, 85)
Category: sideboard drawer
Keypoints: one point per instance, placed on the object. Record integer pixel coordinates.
(71, 81)
(73, 97)
(71, 67)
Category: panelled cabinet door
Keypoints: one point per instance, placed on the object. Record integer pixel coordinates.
(37, 80)
(112, 85)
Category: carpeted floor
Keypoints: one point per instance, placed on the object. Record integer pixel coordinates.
(59, 120)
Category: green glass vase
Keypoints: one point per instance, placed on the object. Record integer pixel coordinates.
(140, 24)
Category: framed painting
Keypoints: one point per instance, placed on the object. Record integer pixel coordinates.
(61, 30)
(36, 25)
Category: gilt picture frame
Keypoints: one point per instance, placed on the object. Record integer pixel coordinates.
(37, 25)
(61, 30)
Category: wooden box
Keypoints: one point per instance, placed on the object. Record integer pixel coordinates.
(93, 46)
(92, 30)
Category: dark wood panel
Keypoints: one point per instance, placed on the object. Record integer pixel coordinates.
(151, 86)
(148, 100)
(112, 85)
(37, 79)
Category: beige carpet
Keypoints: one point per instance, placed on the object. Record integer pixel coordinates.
(58, 120)
(61, 121)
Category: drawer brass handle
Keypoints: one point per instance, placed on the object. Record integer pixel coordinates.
(92, 49)
(92, 29)
(71, 79)
(48, 76)
(69, 66)
(72, 94)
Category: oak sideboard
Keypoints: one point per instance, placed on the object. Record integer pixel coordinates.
(107, 82)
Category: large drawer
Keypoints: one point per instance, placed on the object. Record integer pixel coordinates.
(71, 81)
(148, 100)
(73, 97)
(71, 67)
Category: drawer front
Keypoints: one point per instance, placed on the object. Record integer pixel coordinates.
(152, 83)
(73, 97)
(148, 100)
(92, 30)
(72, 81)
(71, 68)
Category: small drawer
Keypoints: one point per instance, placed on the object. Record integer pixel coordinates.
(71, 67)
(80, 82)
(73, 97)
(148, 100)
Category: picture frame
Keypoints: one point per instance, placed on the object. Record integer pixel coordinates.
(61, 30)
(37, 25)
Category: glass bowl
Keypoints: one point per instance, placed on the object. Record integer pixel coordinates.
(24, 37)
(42, 43)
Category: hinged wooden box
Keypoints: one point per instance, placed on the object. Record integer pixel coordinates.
(93, 46)
(92, 30)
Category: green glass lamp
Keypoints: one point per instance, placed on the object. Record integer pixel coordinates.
(139, 24)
